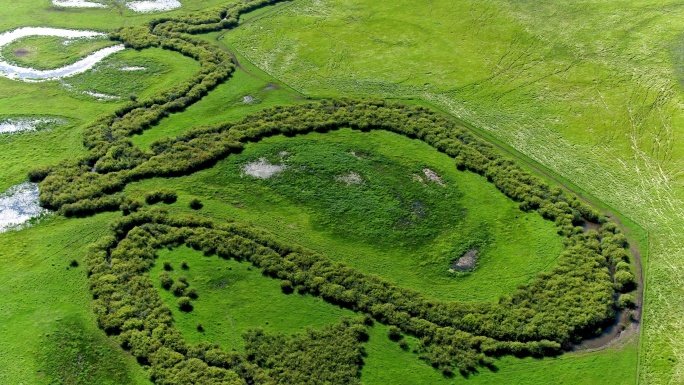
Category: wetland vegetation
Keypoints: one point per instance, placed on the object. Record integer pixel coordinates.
(241, 233)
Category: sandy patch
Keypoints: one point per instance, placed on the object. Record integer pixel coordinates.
(133, 68)
(432, 176)
(153, 6)
(350, 178)
(263, 169)
(18, 205)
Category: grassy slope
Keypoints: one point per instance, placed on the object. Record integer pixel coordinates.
(589, 89)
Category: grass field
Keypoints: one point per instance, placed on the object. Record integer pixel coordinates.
(587, 90)
(234, 297)
(369, 226)
(48, 332)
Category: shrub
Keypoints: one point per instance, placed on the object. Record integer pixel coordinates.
(163, 195)
(394, 333)
(130, 205)
(191, 292)
(624, 281)
(73, 263)
(165, 280)
(184, 265)
(286, 287)
(626, 301)
(178, 289)
(196, 204)
(184, 304)
(167, 266)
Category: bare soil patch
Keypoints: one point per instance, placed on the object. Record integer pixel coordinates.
(432, 176)
(21, 52)
(467, 261)
(350, 178)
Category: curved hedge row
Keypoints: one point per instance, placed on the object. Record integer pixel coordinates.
(107, 138)
(558, 307)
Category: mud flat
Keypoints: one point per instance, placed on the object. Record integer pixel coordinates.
(263, 169)
(30, 74)
(15, 125)
(133, 68)
(18, 206)
(100, 96)
(153, 6)
(77, 4)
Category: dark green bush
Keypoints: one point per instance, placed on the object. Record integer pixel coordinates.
(184, 304)
(165, 280)
(196, 204)
(394, 333)
(162, 195)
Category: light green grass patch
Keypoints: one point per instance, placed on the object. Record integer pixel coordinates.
(161, 70)
(226, 103)
(50, 52)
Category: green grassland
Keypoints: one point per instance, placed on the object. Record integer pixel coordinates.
(387, 363)
(234, 297)
(587, 89)
(560, 104)
(393, 225)
(49, 52)
(21, 152)
(48, 332)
